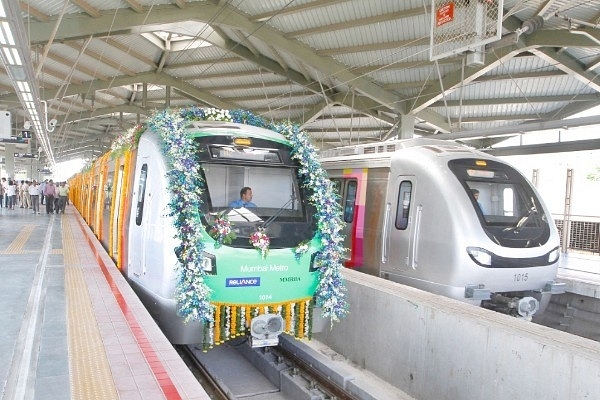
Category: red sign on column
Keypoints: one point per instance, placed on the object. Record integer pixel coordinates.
(444, 14)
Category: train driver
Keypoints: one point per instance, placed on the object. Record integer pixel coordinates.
(476, 196)
(245, 199)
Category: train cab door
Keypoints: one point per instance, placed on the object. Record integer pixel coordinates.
(347, 188)
(137, 230)
(401, 226)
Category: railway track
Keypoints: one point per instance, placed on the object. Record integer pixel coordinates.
(294, 370)
(234, 370)
(209, 384)
(572, 313)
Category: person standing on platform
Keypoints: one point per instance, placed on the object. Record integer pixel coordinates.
(11, 192)
(19, 193)
(49, 194)
(63, 195)
(42, 187)
(25, 197)
(3, 192)
(34, 194)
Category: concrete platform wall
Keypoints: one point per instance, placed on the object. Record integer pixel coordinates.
(432, 347)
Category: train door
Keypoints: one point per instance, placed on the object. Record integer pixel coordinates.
(137, 231)
(117, 189)
(347, 190)
(401, 226)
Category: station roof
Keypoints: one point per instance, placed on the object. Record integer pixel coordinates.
(348, 71)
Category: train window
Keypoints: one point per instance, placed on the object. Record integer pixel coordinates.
(509, 206)
(139, 210)
(277, 202)
(403, 206)
(349, 200)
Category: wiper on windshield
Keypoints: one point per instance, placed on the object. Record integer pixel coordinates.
(278, 213)
(243, 214)
(523, 220)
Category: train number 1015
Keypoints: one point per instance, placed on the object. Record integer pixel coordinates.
(521, 277)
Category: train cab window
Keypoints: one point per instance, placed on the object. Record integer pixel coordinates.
(509, 201)
(346, 191)
(509, 210)
(403, 206)
(139, 209)
(277, 202)
(350, 200)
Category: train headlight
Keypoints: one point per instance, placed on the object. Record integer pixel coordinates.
(208, 263)
(314, 264)
(527, 306)
(480, 256)
(553, 256)
(265, 330)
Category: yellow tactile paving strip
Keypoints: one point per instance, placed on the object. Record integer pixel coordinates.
(90, 372)
(17, 245)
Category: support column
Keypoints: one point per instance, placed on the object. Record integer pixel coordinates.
(9, 159)
(407, 126)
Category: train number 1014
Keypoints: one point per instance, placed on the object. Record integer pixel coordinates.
(521, 277)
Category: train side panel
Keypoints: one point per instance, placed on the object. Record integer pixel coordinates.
(151, 263)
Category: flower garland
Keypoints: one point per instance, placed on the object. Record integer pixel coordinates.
(330, 294)
(186, 186)
(261, 242)
(221, 230)
(126, 141)
(301, 249)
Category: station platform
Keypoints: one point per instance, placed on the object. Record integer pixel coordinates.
(581, 274)
(74, 329)
(72, 326)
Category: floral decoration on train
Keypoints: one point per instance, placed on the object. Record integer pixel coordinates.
(186, 186)
(126, 141)
(260, 241)
(221, 230)
(301, 249)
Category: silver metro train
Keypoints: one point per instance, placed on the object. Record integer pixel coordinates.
(447, 219)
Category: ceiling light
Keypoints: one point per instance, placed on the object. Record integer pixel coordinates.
(16, 57)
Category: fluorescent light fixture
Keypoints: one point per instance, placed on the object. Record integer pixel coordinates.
(23, 86)
(16, 57)
(9, 37)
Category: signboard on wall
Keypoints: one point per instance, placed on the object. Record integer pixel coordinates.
(25, 155)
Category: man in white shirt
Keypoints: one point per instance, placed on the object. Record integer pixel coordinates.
(34, 194)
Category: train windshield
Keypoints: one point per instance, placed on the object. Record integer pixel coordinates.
(275, 203)
(508, 208)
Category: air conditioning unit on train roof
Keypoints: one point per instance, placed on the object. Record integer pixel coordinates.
(341, 152)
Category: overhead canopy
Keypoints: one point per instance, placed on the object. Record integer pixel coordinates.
(347, 71)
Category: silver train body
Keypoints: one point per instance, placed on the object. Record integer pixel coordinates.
(412, 217)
